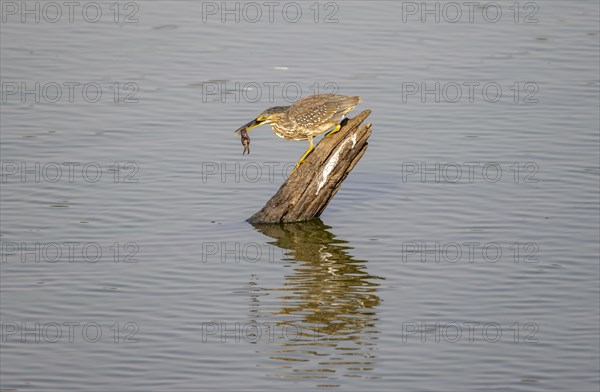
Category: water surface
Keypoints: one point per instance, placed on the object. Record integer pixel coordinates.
(460, 254)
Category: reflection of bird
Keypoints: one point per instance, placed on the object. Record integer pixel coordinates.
(304, 119)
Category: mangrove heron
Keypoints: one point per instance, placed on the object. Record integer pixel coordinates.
(303, 120)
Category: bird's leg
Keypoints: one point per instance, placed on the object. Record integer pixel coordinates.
(334, 130)
(303, 157)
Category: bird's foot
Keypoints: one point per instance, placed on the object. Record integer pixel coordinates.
(302, 160)
(292, 172)
(334, 130)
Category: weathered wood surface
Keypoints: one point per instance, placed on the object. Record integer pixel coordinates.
(307, 191)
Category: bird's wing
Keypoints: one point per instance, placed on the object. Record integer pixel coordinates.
(314, 110)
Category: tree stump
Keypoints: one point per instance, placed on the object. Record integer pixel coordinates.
(307, 191)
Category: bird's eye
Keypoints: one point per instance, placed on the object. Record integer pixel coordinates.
(261, 118)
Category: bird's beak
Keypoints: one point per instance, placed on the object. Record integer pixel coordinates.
(250, 125)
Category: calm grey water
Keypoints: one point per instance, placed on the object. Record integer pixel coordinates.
(460, 254)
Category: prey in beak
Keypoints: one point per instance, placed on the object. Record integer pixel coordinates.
(245, 141)
(243, 132)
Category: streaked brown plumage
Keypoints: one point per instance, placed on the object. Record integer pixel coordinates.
(304, 119)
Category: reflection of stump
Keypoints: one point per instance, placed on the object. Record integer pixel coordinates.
(306, 192)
